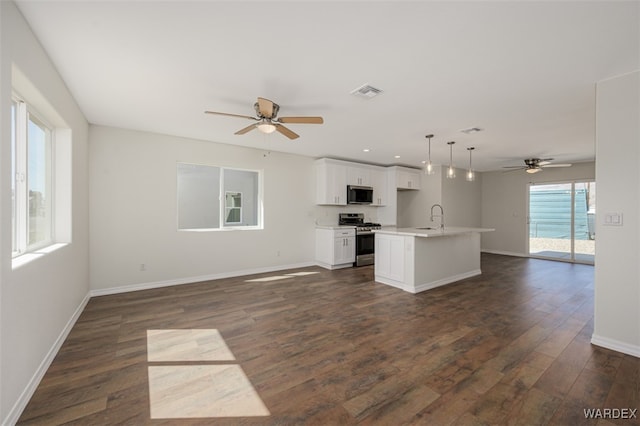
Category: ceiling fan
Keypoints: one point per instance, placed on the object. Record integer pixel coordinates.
(534, 165)
(267, 120)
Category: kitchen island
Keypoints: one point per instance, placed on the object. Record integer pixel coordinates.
(418, 259)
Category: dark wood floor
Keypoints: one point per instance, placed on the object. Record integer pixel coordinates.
(511, 346)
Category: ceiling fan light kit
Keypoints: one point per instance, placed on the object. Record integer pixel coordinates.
(534, 165)
(265, 126)
(268, 121)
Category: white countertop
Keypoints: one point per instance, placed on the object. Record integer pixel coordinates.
(335, 227)
(437, 232)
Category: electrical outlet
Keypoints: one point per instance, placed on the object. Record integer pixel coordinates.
(143, 267)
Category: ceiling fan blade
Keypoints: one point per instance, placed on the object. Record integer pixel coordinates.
(230, 115)
(556, 165)
(513, 169)
(245, 130)
(301, 120)
(265, 106)
(285, 131)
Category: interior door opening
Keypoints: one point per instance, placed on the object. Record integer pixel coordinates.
(562, 221)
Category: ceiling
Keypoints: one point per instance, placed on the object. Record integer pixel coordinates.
(524, 72)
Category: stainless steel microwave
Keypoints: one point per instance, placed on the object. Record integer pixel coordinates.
(359, 194)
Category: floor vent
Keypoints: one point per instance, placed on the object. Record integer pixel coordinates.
(366, 91)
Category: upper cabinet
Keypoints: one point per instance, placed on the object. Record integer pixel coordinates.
(359, 175)
(333, 176)
(380, 187)
(407, 178)
(331, 183)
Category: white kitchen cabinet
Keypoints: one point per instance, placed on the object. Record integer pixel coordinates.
(359, 175)
(331, 183)
(380, 187)
(407, 178)
(416, 260)
(333, 176)
(335, 248)
(344, 250)
(390, 257)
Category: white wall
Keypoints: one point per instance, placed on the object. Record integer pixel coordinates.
(617, 281)
(414, 206)
(40, 298)
(328, 215)
(504, 204)
(461, 200)
(5, 120)
(133, 212)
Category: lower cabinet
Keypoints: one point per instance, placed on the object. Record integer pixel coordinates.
(335, 248)
(390, 253)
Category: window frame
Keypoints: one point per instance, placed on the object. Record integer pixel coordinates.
(223, 225)
(24, 114)
(228, 209)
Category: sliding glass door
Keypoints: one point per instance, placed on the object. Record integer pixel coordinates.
(561, 221)
(585, 222)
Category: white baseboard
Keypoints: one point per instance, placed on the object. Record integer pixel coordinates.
(332, 267)
(393, 283)
(615, 345)
(426, 286)
(433, 284)
(27, 393)
(191, 280)
(504, 253)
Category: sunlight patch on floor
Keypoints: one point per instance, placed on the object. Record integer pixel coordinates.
(187, 345)
(187, 391)
(302, 274)
(281, 277)
(265, 279)
(216, 388)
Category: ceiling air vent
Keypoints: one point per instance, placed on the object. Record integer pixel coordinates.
(471, 130)
(366, 91)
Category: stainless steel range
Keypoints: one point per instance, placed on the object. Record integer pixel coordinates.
(365, 237)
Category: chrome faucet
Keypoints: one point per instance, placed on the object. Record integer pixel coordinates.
(441, 215)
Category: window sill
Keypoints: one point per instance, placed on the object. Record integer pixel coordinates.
(29, 257)
(227, 229)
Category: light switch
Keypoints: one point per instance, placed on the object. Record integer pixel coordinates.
(613, 219)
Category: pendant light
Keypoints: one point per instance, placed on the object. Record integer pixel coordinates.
(428, 170)
(451, 172)
(471, 176)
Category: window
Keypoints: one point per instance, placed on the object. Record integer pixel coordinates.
(232, 207)
(31, 179)
(212, 197)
